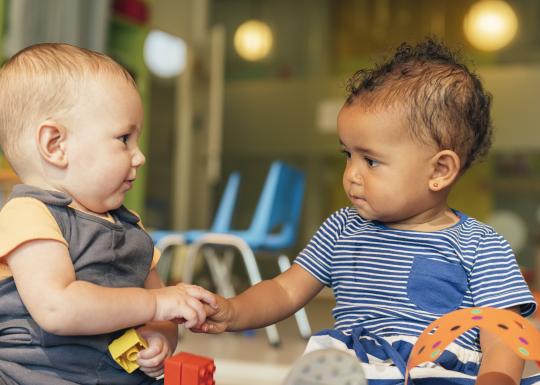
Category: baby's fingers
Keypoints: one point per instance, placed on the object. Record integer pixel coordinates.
(209, 310)
(151, 359)
(209, 327)
(202, 294)
(188, 315)
(199, 312)
(153, 371)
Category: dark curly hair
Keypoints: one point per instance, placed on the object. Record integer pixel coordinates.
(442, 99)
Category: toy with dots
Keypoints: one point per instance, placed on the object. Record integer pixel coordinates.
(515, 331)
(189, 369)
(125, 348)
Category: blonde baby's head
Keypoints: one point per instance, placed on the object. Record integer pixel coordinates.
(45, 81)
(70, 120)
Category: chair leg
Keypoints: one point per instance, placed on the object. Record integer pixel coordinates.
(228, 259)
(220, 273)
(301, 316)
(226, 269)
(213, 266)
(189, 265)
(166, 245)
(164, 265)
(255, 277)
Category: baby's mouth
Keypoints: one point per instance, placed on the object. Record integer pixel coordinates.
(129, 183)
(357, 198)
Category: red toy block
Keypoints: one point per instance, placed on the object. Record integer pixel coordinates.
(189, 369)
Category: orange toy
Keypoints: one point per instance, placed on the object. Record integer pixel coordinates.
(537, 299)
(189, 369)
(518, 333)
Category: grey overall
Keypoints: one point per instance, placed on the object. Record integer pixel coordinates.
(108, 254)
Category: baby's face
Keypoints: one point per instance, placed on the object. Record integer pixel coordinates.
(102, 144)
(386, 173)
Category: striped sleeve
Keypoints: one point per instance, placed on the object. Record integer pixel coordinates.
(496, 280)
(317, 256)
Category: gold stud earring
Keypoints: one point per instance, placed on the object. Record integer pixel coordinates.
(435, 185)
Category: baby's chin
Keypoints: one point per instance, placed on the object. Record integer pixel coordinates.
(365, 214)
(371, 216)
(104, 207)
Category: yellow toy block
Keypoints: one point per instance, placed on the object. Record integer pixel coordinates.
(124, 349)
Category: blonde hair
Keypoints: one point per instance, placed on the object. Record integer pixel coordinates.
(41, 82)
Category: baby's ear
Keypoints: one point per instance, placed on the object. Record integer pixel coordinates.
(51, 141)
(446, 167)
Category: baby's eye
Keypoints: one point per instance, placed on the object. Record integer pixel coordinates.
(347, 153)
(371, 162)
(124, 138)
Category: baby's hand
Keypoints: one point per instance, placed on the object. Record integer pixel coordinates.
(151, 360)
(218, 318)
(182, 303)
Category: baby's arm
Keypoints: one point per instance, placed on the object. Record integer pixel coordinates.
(264, 303)
(500, 365)
(61, 304)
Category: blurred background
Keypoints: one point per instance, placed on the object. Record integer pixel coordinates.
(232, 85)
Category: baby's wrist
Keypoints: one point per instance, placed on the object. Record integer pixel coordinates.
(231, 315)
(153, 306)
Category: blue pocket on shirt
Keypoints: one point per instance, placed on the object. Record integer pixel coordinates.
(436, 286)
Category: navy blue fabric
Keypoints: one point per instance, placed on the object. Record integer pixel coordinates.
(447, 381)
(397, 282)
(363, 343)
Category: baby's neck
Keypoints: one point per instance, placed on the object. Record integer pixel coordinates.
(431, 220)
(77, 206)
(38, 182)
(44, 185)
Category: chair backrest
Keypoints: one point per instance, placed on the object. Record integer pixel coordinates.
(223, 217)
(277, 216)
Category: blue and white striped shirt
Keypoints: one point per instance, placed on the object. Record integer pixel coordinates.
(396, 282)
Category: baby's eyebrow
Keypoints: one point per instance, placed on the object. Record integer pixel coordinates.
(134, 128)
(364, 150)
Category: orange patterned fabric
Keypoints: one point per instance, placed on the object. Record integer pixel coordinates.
(518, 333)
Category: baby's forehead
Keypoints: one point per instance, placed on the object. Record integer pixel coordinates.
(405, 116)
(378, 103)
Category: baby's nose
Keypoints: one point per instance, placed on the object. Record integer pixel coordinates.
(138, 158)
(355, 176)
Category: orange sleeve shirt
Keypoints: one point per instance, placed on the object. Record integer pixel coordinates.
(28, 219)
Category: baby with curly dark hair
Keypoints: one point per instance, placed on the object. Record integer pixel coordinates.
(400, 257)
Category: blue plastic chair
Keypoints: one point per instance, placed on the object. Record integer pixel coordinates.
(165, 240)
(274, 228)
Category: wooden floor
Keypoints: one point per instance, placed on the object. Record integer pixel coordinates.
(247, 358)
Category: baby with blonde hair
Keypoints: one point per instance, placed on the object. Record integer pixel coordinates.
(42, 82)
(77, 267)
